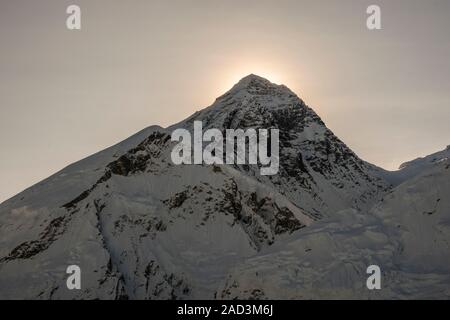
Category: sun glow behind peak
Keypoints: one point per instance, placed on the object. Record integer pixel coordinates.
(236, 76)
(237, 69)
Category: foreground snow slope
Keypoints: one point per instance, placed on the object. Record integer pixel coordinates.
(407, 234)
(142, 228)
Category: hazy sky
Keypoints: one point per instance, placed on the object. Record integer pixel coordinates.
(67, 94)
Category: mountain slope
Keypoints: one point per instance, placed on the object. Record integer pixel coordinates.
(411, 169)
(141, 227)
(407, 235)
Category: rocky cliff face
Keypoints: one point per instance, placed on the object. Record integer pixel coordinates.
(141, 227)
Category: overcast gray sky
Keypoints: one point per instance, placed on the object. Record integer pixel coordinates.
(67, 94)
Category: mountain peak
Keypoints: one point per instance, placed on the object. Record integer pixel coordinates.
(257, 85)
(253, 77)
(246, 96)
(253, 81)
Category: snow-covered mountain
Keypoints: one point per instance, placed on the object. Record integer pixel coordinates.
(407, 234)
(415, 167)
(141, 227)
